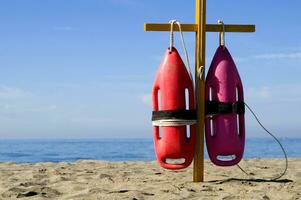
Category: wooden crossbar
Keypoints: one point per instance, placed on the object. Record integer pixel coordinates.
(194, 27)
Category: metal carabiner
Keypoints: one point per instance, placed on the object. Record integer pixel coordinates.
(222, 40)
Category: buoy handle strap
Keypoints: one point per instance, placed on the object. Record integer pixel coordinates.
(171, 43)
(174, 117)
(216, 107)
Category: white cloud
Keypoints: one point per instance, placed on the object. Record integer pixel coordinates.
(147, 99)
(271, 56)
(276, 93)
(90, 120)
(277, 108)
(261, 92)
(52, 107)
(295, 55)
(12, 93)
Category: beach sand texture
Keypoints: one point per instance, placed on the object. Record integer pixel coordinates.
(146, 180)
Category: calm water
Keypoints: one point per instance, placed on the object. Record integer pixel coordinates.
(119, 149)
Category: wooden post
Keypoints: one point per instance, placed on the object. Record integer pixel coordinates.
(200, 28)
(198, 162)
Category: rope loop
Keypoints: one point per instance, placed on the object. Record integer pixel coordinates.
(171, 43)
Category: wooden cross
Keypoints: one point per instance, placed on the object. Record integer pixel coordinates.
(200, 28)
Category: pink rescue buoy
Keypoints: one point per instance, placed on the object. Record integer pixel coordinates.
(225, 123)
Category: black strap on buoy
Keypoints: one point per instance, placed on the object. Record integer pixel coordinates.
(217, 107)
(174, 114)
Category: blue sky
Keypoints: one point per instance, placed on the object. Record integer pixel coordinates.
(85, 68)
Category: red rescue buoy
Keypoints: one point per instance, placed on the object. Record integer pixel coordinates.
(172, 119)
(225, 122)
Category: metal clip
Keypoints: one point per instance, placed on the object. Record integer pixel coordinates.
(222, 34)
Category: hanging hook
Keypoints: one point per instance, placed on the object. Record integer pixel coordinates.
(171, 39)
(222, 34)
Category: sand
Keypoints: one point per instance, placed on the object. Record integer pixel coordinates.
(146, 180)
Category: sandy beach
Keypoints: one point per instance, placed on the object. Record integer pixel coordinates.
(146, 180)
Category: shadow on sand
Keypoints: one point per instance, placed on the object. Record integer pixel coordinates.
(251, 180)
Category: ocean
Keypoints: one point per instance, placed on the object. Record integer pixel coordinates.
(69, 150)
